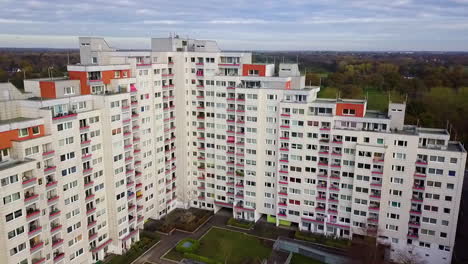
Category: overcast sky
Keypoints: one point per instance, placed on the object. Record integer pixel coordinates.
(241, 24)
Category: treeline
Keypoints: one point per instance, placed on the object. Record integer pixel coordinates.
(15, 64)
(436, 94)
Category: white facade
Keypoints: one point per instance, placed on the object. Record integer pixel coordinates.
(135, 134)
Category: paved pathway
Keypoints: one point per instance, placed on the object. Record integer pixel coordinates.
(169, 241)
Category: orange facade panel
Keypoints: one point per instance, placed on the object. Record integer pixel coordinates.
(47, 89)
(347, 109)
(7, 137)
(253, 67)
(83, 78)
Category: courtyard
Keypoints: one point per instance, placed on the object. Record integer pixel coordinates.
(217, 240)
(225, 246)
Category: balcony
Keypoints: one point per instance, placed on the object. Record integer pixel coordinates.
(38, 260)
(55, 227)
(59, 257)
(52, 199)
(35, 246)
(48, 153)
(320, 209)
(29, 181)
(30, 197)
(373, 219)
(418, 187)
(34, 230)
(421, 162)
(49, 169)
(54, 213)
(56, 242)
(413, 235)
(415, 211)
(62, 116)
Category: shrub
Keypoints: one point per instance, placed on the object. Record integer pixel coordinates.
(322, 239)
(195, 244)
(240, 223)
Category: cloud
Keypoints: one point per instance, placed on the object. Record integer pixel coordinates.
(19, 21)
(164, 22)
(240, 21)
(301, 24)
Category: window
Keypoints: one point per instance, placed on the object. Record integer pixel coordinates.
(68, 90)
(23, 132)
(451, 173)
(14, 215)
(380, 141)
(349, 111)
(15, 232)
(11, 198)
(8, 180)
(35, 130)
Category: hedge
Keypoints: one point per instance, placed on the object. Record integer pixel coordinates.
(322, 239)
(241, 224)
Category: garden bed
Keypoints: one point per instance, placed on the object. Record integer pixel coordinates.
(220, 245)
(324, 240)
(240, 223)
(187, 220)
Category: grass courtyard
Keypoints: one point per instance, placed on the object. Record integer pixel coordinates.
(224, 246)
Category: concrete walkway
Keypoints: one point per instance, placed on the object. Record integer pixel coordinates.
(167, 242)
(261, 229)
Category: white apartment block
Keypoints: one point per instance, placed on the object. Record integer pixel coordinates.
(131, 135)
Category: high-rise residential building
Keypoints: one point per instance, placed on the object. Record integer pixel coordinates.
(131, 135)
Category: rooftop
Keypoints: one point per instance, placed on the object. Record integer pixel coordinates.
(339, 100)
(16, 120)
(12, 163)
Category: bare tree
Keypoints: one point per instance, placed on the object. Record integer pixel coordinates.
(408, 256)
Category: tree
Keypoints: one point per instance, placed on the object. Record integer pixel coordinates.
(408, 257)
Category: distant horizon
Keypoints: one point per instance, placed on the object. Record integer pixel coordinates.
(225, 50)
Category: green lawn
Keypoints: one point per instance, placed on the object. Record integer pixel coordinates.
(376, 99)
(329, 92)
(300, 259)
(224, 246)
